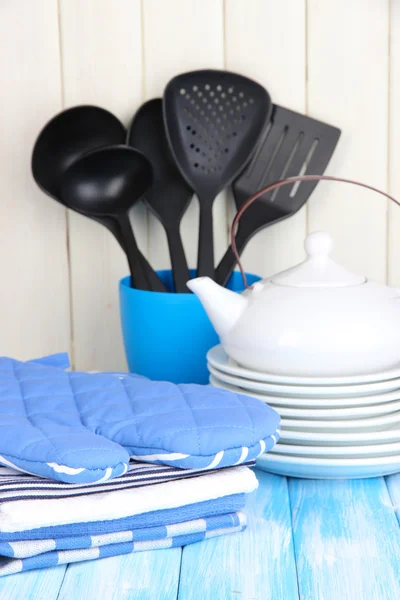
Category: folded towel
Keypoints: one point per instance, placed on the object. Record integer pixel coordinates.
(28, 548)
(178, 537)
(15, 485)
(24, 515)
(83, 427)
(158, 518)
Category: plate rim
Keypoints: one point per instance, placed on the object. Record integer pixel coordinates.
(322, 391)
(372, 399)
(310, 380)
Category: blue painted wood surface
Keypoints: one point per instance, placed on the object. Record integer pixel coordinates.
(258, 563)
(346, 538)
(306, 540)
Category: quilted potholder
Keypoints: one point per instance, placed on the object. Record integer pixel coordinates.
(83, 427)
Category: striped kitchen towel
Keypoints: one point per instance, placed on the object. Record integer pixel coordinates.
(181, 534)
(15, 485)
(29, 548)
(159, 518)
(26, 514)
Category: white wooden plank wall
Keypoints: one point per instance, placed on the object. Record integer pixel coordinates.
(337, 61)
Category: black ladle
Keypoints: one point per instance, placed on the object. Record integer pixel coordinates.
(106, 183)
(66, 137)
(169, 195)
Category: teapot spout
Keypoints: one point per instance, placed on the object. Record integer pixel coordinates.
(222, 306)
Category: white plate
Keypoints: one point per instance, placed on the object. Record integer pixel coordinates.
(379, 404)
(371, 451)
(365, 389)
(219, 359)
(357, 412)
(328, 468)
(343, 438)
(351, 425)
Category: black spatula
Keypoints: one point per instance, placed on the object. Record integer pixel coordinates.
(169, 194)
(292, 144)
(213, 121)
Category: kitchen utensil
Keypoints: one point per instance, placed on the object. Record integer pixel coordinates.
(372, 451)
(169, 194)
(108, 182)
(218, 358)
(292, 144)
(342, 438)
(312, 391)
(327, 412)
(167, 336)
(66, 137)
(213, 121)
(328, 468)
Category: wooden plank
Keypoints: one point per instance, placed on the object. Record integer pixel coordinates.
(254, 48)
(33, 585)
(137, 576)
(34, 301)
(346, 538)
(393, 485)
(348, 87)
(394, 147)
(182, 36)
(258, 563)
(102, 65)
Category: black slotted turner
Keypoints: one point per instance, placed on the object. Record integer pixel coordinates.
(213, 122)
(292, 144)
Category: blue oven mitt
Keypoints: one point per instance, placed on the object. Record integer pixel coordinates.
(85, 427)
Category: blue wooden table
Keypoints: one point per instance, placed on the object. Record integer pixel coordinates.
(308, 540)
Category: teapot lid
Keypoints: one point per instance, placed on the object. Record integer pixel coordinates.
(318, 270)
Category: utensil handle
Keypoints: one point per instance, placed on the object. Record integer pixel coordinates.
(229, 260)
(156, 285)
(205, 252)
(138, 278)
(180, 269)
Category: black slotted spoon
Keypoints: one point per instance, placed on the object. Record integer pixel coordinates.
(169, 195)
(213, 122)
(292, 144)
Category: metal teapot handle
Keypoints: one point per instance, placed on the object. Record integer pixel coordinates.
(281, 183)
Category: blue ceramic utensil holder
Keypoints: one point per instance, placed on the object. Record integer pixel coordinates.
(167, 336)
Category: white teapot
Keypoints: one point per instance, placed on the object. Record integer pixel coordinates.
(316, 318)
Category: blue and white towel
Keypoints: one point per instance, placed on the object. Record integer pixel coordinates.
(27, 548)
(180, 534)
(24, 515)
(15, 485)
(159, 518)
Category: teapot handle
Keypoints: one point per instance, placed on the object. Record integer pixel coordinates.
(281, 183)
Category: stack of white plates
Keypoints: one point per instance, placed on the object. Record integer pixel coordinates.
(331, 427)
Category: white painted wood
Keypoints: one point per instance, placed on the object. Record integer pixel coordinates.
(267, 41)
(394, 147)
(182, 36)
(34, 302)
(346, 539)
(258, 563)
(102, 65)
(348, 87)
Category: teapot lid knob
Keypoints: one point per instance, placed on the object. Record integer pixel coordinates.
(319, 243)
(318, 270)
